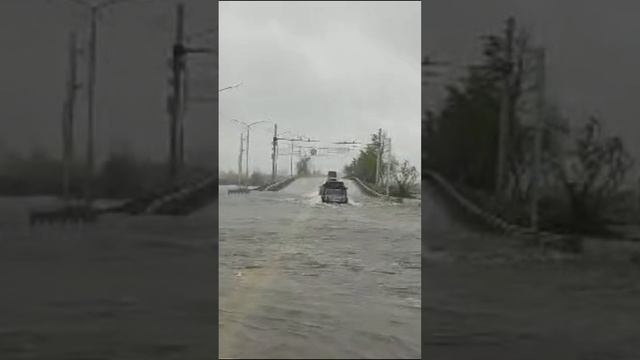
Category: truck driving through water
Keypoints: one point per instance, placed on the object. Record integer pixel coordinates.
(333, 191)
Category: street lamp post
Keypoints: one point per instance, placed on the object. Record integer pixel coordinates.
(248, 126)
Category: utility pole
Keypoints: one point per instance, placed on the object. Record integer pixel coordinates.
(504, 109)
(240, 160)
(379, 159)
(176, 100)
(91, 80)
(388, 177)
(248, 126)
(540, 83)
(274, 155)
(67, 117)
(291, 143)
(247, 153)
(91, 103)
(291, 158)
(182, 113)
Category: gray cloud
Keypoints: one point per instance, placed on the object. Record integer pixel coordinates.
(133, 47)
(331, 71)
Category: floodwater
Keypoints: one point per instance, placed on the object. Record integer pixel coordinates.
(487, 297)
(126, 287)
(303, 279)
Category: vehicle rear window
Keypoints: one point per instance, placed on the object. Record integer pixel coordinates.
(334, 185)
(335, 191)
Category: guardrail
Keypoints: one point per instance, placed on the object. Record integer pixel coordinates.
(546, 239)
(140, 204)
(364, 188)
(570, 243)
(64, 214)
(183, 195)
(280, 184)
(488, 218)
(190, 201)
(373, 193)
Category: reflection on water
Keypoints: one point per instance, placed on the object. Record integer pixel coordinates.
(299, 278)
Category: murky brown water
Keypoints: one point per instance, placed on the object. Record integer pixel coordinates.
(123, 288)
(486, 297)
(302, 279)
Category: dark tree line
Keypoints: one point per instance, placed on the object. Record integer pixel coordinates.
(600, 166)
(121, 175)
(256, 178)
(364, 165)
(461, 140)
(403, 177)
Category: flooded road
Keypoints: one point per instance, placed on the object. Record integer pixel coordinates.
(126, 287)
(303, 279)
(486, 297)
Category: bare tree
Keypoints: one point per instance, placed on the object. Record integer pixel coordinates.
(406, 178)
(601, 164)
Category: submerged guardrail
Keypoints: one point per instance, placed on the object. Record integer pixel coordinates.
(185, 200)
(565, 243)
(364, 188)
(280, 184)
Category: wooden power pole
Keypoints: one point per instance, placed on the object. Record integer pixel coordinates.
(67, 117)
(182, 113)
(247, 155)
(291, 158)
(388, 170)
(379, 159)
(240, 160)
(274, 155)
(179, 98)
(91, 104)
(176, 99)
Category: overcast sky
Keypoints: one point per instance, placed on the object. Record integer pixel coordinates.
(332, 71)
(134, 43)
(335, 71)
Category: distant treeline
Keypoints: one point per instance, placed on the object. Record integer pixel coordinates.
(122, 175)
(256, 178)
(403, 177)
